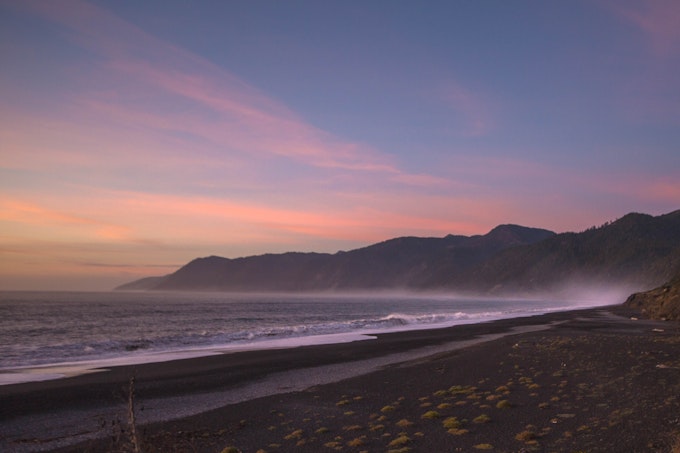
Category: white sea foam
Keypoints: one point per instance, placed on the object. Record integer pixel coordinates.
(44, 336)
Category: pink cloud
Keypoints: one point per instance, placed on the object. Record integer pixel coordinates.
(60, 223)
(658, 19)
(477, 118)
(354, 224)
(222, 123)
(665, 190)
(648, 94)
(141, 219)
(25, 212)
(241, 114)
(644, 188)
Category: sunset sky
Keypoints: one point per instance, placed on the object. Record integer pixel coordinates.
(138, 135)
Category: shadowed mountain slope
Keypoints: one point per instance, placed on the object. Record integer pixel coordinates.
(406, 262)
(635, 252)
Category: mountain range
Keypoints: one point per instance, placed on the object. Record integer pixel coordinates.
(637, 251)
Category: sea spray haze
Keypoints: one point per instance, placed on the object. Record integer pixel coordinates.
(39, 328)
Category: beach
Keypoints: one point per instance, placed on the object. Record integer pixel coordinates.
(585, 380)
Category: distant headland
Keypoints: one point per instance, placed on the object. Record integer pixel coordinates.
(636, 252)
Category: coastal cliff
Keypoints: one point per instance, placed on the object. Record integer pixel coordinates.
(659, 303)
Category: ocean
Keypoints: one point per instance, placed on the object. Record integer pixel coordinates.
(45, 335)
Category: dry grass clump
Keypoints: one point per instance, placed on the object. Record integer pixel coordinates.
(399, 441)
(482, 419)
(404, 423)
(676, 445)
(526, 436)
(297, 434)
(429, 415)
(356, 442)
(483, 447)
(399, 450)
(462, 390)
(230, 450)
(387, 409)
(452, 423)
(503, 404)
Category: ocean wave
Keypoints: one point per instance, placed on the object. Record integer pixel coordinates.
(393, 321)
(133, 330)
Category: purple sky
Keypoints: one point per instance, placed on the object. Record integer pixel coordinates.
(136, 136)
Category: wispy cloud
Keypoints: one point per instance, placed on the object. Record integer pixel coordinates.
(55, 223)
(474, 110)
(142, 70)
(657, 19)
(648, 91)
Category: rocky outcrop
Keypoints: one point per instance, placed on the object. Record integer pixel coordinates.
(660, 303)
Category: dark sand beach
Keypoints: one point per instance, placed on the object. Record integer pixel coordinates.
(588, 380)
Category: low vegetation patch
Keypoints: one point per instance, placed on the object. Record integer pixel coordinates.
(430, 415)
(400, 450)
(230, 450)
(462, 390)
(404, 423)
(482, 419)
(356, 442)
(399, 441)
(297, 434)
(503, 404)
(451, 423)
(526, 436)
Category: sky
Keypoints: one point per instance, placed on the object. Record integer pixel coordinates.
(137, 136)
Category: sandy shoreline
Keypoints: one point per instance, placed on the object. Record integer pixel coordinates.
(200, 394)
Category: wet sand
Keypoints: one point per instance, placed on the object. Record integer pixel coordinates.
(590, 380)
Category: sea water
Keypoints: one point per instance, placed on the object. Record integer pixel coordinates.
(48, 335)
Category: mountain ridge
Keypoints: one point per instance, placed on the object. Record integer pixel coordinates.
(639, 251)
(403, 262)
